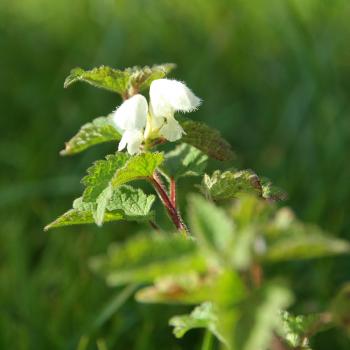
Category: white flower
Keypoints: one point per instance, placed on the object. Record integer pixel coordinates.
(166, 98)
(138, 123)
(130, 119)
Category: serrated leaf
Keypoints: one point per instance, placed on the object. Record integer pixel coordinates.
(100, 175)
(230, 184)
(133, 201)
(206, 139)
(203, 316)
(146, 257)
(233, 184)
(124, 203)
(269, 191)
(98, 131)
(137, 167)
(83, 213)
(107, 175)
(211, 226)
(296, 330)
(185, 160)
(259, 317)
(124, 82)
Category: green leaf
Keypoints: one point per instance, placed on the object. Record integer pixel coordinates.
(306, 247)
(100, 175)
(106, 175)
(269, 191)
(290, 239)
(146, 257)
(138, 167)
(124, 82)
(206, 139)
(233, 184)
(98, 131)
(259, 318)
(189, 288)
(133, 201)
(230, 184)
(185, 160)
(203, 316)
(296, 330)
(124, 203)
(211, 226)
(83, 215)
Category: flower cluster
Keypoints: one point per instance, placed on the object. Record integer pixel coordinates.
(139, 121)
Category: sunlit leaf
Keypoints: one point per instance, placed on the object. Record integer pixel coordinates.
(124, 203)
(296, 330)
(125, 82)
(233, 184)
(203, 316)
(98, 131)
(137, 167)
(100, 174)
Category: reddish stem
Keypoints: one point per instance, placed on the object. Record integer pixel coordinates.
(173, 191)
(172, 212)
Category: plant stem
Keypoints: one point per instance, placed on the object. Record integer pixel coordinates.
(207, 341)
(173, 191)
(172, 211)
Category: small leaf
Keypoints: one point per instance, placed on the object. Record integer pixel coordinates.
(203, 316)
(102, 77)
(185, 160)
(211, 226)
(269, 191)
(124, 82)
(100, 175)
(137, 167)
(230, 184)
(98, 131)
(146, 257)
(296, 330)
(233, 184)
(206, 139)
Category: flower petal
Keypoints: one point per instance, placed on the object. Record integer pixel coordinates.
(168, 96)
(172, 130)
(131, 114)
(132, 139)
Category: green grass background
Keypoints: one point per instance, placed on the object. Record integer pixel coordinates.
(274, 76)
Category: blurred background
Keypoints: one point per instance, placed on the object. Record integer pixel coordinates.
(275, 79)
